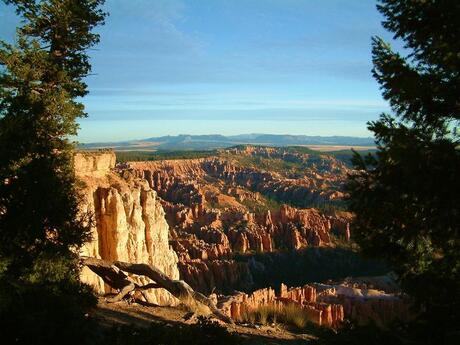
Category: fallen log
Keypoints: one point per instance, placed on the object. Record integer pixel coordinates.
(113, 274)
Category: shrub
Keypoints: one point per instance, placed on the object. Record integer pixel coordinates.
(290, 314)
(192, 305)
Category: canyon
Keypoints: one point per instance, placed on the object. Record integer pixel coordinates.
(220, 206)
(194, 219)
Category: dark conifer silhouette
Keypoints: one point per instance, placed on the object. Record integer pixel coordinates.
(406, 198)
(41, 230)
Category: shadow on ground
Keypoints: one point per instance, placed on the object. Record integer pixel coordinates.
(164, 325)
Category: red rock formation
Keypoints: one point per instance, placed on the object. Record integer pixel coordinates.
(364, 305)
(206, 200)
(224, 275)
(341, 227)
(326, 305)
(304, 294)
(240, 241)
(204, 205)
(320, 313)
(309, 219)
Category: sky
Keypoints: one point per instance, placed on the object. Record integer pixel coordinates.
(168, 67)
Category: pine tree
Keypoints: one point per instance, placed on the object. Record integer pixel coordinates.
(41, 229)
(406, 197)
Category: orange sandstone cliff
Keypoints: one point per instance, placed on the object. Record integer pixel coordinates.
(128, 221)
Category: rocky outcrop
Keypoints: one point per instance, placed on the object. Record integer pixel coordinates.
(129, 222)
(189, 218)
(326, 305)
(95, 164)
(340, 226)
(180, 180)
(221, 275)
(238, 305)
(216, 208)
(310, 189)
(363, 304)
(190, 200)
(319, 165)
(304, 294)
(319, 313)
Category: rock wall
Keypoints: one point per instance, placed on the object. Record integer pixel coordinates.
(128, 222)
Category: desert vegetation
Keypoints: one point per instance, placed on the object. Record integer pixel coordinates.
(130, 156)
(290, 315)
(125, 155)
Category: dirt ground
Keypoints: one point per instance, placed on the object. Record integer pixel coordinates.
(110, 314)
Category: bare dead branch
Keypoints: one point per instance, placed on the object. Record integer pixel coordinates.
(113, 274)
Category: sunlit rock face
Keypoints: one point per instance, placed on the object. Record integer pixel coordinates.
(94, 163)
(217, 207)
(317, 312)
(128, 222)
(326, 304)
(189, 218)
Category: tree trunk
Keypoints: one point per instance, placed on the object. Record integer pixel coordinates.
(113, 274)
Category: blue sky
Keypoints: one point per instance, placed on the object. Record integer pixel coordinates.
(167, 67)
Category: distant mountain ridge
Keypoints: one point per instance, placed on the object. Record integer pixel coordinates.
(214, 141)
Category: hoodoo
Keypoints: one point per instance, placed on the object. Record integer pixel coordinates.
(187, 219)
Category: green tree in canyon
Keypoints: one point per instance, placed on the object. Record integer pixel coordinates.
(406, 198)
(41, 230)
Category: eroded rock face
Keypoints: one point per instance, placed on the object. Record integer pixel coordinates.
(94, 163)
(202, 209)
(129, 222)
(364, 304)
(217, 208)
(212, 193)
(317, 312)
(223, 275)
(326, 305)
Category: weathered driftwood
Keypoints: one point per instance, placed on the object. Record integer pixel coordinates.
(113, 274)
